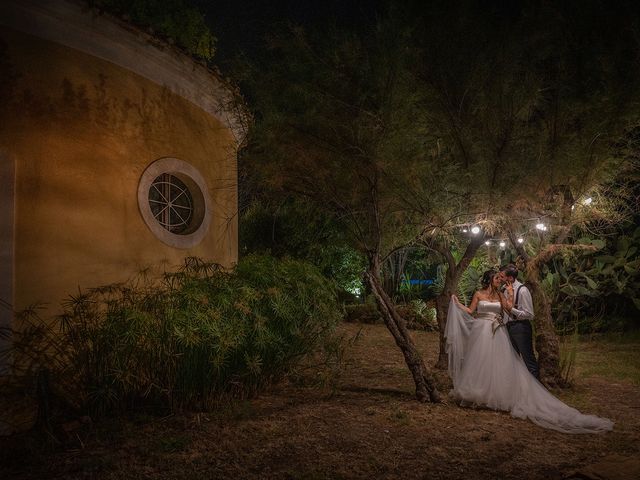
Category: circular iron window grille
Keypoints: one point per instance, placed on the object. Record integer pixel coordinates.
(171, 203)
(174, 202)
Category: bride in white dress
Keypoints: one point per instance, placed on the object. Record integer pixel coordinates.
(486, 370)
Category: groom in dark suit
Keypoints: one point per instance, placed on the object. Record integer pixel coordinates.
(518, 318)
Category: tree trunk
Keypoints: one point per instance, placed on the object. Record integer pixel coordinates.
(442, 310)
(547, 343)
(394, 268)
(452, 278)
(425, 385)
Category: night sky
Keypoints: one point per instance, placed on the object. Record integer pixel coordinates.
(241, 26)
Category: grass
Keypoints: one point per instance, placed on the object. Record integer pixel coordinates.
(368, 426)
(400, 416)
(173, 444)
(612, 356)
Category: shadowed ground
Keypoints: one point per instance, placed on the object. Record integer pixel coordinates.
(369, 426)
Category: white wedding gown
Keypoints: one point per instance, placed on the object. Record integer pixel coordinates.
(487, 371)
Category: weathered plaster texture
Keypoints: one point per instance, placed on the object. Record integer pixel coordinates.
(81, 131)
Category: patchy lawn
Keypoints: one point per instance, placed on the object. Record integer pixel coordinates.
(369, 426)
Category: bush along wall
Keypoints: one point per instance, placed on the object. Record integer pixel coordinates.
(184, 340)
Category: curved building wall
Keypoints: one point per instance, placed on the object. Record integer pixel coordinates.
(79, 132)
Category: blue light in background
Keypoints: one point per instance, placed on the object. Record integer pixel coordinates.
(420, 281)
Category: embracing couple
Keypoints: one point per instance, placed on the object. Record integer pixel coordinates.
(491, 359)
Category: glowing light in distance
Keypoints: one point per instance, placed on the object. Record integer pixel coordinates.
(487, 242)
(587, 201)
(475, 230)
(521, 240)
(502, 244)
(464, 230)
(541, 226)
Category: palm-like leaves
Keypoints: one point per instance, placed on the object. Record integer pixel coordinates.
(183, 340)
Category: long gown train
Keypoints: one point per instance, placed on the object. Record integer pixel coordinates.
(487, 371)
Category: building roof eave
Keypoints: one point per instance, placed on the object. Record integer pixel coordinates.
(75, 25)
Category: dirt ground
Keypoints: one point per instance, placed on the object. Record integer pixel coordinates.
(369, 426)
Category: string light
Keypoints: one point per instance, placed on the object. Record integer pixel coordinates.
(465, 230)
(520, 240)
(587, 201)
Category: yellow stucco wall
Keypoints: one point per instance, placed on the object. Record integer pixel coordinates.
(81, 131)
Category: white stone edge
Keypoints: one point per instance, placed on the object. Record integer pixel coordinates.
(173, 165)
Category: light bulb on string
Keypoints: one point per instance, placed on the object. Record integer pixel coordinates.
(475, 230)
(521, 240)
(503, 244)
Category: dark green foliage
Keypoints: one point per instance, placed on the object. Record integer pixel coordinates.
(597, 290)
(185, 340)
(362, 313)
(339, 123)
(297, 229)
(470, 279)
(174, 20)
(406, 264)
(418, 314)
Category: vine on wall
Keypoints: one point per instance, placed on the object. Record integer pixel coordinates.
(171, 20)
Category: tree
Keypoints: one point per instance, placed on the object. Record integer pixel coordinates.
(591, 203)
(295, 228)
(514, 99)
(474, 118)
(453, 274)
(338, 122)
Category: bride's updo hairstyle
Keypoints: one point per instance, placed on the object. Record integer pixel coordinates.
(487, 277)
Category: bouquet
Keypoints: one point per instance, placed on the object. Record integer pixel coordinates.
(497, 323)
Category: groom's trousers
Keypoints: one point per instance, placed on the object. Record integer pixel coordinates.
(521, 336)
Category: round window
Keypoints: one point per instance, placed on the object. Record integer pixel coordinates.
(173, 202)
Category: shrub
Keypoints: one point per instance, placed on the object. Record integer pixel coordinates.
(186, 339)
(362, 313)
(172, 20)
(418, 314)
